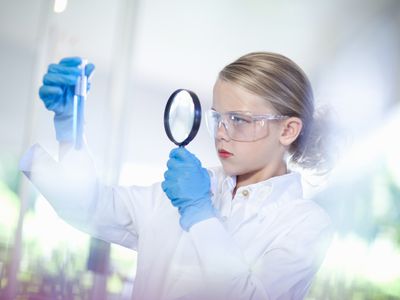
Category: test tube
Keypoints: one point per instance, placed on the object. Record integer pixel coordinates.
(79, 107)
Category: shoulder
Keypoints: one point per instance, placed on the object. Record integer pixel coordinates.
(291, 203)
(308, 223)
(306, 210)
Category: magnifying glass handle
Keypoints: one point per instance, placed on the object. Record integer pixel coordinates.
(79, 107)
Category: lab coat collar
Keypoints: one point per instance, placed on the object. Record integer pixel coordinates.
(281, 189)
(291, 179)
(276, 189)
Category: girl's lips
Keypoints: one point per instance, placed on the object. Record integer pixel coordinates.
(224, 154)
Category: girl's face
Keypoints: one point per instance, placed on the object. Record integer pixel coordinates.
(250, 161)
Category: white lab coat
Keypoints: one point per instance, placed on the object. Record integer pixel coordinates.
(266, 243)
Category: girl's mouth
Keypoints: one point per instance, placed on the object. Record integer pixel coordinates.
(224, 154)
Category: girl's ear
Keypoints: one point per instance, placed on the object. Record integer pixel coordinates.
(291, 129)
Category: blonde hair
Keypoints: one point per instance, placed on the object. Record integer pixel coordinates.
(286, 87)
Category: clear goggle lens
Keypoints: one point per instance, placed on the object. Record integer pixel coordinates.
(240, 126)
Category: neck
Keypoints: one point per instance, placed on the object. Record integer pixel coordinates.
(260, 175)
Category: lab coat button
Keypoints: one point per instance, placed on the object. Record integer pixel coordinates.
(245, 193)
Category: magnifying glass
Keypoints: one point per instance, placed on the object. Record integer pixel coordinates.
(182, 117)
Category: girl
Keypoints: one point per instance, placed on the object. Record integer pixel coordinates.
(240, 231)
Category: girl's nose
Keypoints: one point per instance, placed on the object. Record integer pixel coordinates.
(222, 132)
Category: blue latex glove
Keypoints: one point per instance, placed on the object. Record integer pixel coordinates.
(57, 93)
(187, 185)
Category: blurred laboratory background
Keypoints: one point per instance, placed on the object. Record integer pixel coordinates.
(143, 50)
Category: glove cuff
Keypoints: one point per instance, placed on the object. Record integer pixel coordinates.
(194, 214)
(63, 126)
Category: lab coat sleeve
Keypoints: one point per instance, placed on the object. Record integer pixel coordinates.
(284, 271)
(74, 191)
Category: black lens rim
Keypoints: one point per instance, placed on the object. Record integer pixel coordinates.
(196, 121)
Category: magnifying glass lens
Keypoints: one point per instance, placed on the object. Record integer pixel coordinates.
(182, 117)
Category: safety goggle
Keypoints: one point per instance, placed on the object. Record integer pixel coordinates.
(239, 125)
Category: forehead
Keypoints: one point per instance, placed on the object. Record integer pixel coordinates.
(228, 96)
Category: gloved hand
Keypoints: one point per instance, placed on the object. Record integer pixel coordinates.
(57, 93)
(187, 185)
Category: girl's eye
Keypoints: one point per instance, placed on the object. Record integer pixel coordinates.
(238, 120)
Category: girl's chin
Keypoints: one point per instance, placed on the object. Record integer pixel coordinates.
(229, 171)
